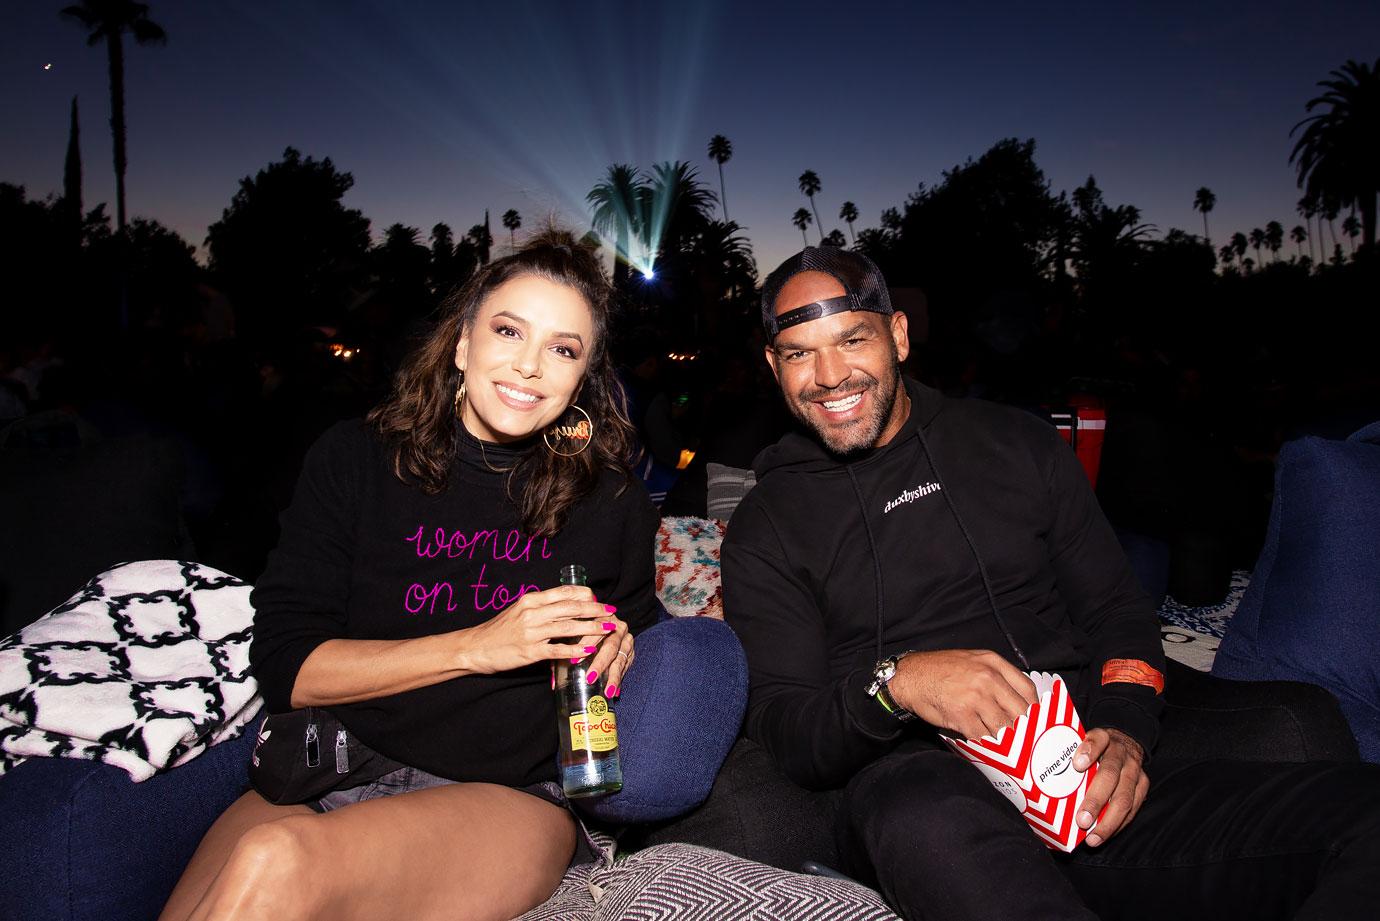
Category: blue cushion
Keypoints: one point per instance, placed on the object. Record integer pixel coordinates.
(1312, 611)
(678, 711)
(80, 841)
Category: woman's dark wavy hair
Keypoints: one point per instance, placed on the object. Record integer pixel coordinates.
(418, 419)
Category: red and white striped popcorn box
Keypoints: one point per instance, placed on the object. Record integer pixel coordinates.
(1031, 763)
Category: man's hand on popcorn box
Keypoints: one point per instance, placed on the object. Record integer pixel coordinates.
(971, 692)
(1120, 783)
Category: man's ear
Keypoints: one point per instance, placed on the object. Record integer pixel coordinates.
(900, 334)
(771, 363)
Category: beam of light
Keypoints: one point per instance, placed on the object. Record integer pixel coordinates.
(538, 102)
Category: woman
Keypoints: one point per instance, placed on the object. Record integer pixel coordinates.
(411, 595)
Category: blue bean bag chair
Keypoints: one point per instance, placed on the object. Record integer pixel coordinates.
(1312, 610)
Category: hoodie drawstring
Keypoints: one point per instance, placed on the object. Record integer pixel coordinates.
(876, 558)
(972, 546)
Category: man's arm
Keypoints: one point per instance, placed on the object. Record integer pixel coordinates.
(819, 730)
(1106, 602)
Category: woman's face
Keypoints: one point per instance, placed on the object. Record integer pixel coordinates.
(524, 358)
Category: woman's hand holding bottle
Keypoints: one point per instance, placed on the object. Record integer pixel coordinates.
(565, 622)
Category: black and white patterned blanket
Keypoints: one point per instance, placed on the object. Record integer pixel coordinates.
(143, 669)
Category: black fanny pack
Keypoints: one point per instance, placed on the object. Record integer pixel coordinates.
(304, 754)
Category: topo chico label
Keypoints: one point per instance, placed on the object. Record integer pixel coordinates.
(594, 730)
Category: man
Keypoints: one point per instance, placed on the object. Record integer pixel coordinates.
(902, 562)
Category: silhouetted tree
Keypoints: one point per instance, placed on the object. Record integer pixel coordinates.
(402, 267)
(1298, 235)
(482, 238)
(1337, 155)
(1352, 228)
(801, 219)
(71, 174)
(1204, 201)
(848, 214)
(1257, 239)
(674, 206)
(1239, 244)
(809, 184)
(1226, 254)
(1274, 238)
(107, 21)
(615, 203)
(721, 151)
(834, 238)
(287, 250)
(1307, 208)
(512, 220)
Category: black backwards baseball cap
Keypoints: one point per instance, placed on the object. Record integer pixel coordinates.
(860, 277)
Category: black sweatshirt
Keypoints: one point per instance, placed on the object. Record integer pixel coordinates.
(364, 556)
(810, 544)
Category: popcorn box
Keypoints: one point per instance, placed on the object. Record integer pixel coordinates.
(1031, 763)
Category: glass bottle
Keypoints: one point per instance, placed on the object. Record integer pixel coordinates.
(588, 756)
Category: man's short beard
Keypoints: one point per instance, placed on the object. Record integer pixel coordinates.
(862, 434)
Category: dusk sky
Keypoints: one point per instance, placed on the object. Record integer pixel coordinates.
(443, 109)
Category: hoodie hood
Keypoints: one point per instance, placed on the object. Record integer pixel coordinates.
(801, 451)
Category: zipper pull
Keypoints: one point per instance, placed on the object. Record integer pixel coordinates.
(313, 745)
(342, 754)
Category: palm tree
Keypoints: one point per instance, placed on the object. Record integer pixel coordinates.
(1298, 235)
(1307, 208)
(1257, 239)
(1352, 228)
(1238, 245)
(675, 206)
(721, 151)
(615, 203)
(107, 21)
(1274, 238)
(1330, 210)
(801, 219)
(1338, 153)
(1226, 254)
(1204, 200)
(482, 238)
(512, 220)
(809, 184)
(848, 214)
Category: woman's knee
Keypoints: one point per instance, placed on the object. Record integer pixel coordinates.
(276, 852)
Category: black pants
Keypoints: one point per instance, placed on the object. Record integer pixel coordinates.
(1215, 839)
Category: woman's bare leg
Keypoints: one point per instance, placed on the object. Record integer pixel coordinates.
(463, 851)
(245, 813)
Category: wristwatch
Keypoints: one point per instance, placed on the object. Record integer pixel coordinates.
(884, 671)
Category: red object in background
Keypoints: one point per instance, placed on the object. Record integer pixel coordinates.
(1083, 423)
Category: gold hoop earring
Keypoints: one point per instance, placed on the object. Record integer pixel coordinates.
(460, 394)
(579, 433)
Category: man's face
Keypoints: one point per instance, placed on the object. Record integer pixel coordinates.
(840, 374)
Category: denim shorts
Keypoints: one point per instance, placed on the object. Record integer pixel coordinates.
(410, 779)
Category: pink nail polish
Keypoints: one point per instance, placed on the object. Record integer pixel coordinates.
(553, 679)
(590, 648)
(610, 609)
(608, 626)
(592, 676)
(575, 660)
(611, 691)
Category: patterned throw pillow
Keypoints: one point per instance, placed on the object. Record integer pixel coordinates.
(687, 567)
(692, 883)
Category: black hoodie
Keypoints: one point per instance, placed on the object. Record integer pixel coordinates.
(815, 544)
